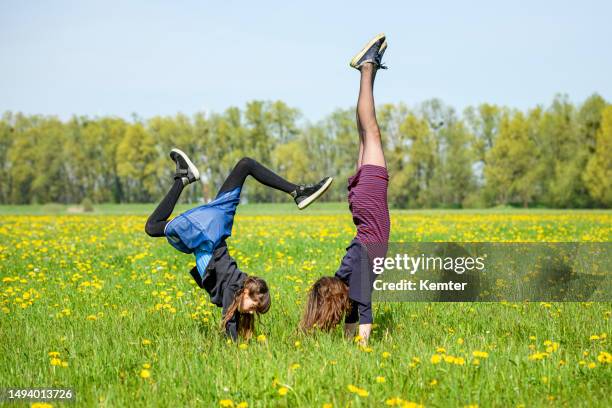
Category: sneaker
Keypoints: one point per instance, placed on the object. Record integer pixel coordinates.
(381, 52)
(185, 169)
(305, 194)
(372, 52)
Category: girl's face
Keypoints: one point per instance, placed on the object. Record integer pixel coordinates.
(247, 305)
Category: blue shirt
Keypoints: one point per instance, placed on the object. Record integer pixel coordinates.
(201, 229)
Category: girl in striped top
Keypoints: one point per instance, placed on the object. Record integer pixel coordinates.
(348, 293)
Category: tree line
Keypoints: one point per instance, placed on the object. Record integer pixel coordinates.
(553, 156)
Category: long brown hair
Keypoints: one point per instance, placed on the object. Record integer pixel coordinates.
(259, 292)
(328, 302)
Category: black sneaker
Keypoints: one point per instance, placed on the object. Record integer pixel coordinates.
(305, 194)
(372, 52)
(185, 169)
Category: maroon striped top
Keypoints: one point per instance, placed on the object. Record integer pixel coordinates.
(367, 199)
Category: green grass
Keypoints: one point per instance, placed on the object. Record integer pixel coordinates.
(329, 208)
(104, 265)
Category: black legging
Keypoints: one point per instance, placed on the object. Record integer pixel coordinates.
(246, 166)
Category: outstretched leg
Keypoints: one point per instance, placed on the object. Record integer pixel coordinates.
(371, 150)
(247, 166)
(303, 195)
(186, 172)
(159, 218)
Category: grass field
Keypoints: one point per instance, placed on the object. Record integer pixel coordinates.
(89, 301)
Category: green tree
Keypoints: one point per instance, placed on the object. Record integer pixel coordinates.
(598, 174)
(511, 169)
(136, 165)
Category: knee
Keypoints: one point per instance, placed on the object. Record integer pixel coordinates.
(371, 132)
(245, 162)
(150, 228)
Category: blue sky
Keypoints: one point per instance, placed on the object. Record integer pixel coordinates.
(153, 57)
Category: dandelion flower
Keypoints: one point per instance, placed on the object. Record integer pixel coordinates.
(145, 373)
(282, 391)
(604, 357)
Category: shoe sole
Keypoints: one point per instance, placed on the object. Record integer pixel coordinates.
(305, 203)
(361, 53)
(191, 166)
(383, 47)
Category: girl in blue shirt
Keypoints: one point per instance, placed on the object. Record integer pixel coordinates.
(203, 230)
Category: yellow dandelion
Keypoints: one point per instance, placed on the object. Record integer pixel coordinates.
(226, 403)
(282, 391)
(380, 379)
(261, 338)
(54, 354)
(436, 358)
(480, 354)
(242, 404)
(145, 373)
(604, 357)
(145, 342)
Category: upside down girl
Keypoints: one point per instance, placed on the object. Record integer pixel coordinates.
(204, 229)
(348, 293)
